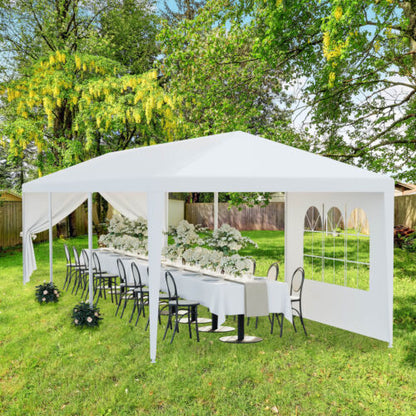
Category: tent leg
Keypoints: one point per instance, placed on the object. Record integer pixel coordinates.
(156, 209)
(50, 239)
(90, 276)
(215, 210)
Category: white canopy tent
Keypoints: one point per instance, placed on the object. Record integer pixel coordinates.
(136, 182)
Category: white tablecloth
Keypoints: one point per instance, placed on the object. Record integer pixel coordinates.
(221, 297)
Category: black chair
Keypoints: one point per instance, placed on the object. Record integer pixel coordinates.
(103, 281)
(175, 305)
(253, 265)
(85, 271)
(163, 304)
(126, 289)
(272, 274)
(70, 268)
(140, 293)
(296, 288)
(79, 271)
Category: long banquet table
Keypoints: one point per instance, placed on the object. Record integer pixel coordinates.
(222, 297)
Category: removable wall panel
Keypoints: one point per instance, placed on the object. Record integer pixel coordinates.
(365, 312)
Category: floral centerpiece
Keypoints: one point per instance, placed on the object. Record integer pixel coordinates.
(219, 255)
(236, 265)
(86, 315)
(228, 240)
(127, 235)
(185, 235)
(47, 293)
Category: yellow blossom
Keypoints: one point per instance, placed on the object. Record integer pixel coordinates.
(338, 12)
(331, 79)
(77, 62)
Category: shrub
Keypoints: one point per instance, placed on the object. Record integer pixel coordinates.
(86, 315)
(47, 293)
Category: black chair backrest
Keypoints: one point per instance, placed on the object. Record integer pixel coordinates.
(171, 286)
(298, 277)
(121, 271)
(67, 254)
(85, 258)
(273, 272)
(253, 261)
(96, 261)
(135, 272)
(76, 256)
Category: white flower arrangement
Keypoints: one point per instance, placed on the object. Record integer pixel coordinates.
(127, 235)
(228, 240)
(215, 261)
(236, 265)
(185, 235)
(172, 252)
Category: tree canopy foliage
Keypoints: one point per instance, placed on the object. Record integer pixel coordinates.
(333, 76)
(222, 83)
(357, 60)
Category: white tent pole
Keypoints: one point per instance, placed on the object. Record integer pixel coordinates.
(90, 277)
(50, 239)
(389, 257)
(24, 244)
(215, 210)
(166, 220)
(285, 235)
(155, 214)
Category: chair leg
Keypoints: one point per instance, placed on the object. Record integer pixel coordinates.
(294, 326)
(126, 299)
(68, 271)
(176, 329)
(139, 311)
(80, 279)
(132, 312)
(196, 322)
(301, 318)
(119, 302)
(168, 323)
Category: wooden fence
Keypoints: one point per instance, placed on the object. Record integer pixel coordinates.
(405, 210)
(271, 217)
(11, 224)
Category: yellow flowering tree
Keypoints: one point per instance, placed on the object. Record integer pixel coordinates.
(77, 106)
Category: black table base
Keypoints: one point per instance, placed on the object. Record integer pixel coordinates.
(201, 320)
(214, 328)
(247, 339)
(241, 338)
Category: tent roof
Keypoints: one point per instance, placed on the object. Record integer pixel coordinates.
(228, 162)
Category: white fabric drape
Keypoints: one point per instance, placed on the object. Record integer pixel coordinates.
(36, 219)
(130, 204)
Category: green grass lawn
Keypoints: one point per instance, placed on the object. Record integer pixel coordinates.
(49, 367)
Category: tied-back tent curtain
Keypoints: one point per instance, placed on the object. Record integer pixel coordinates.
(36, 219)
(36, 215)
